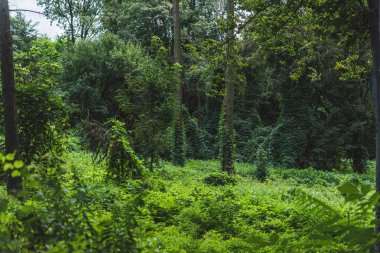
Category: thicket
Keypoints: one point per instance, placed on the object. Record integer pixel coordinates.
(60, 211)
(108, 78)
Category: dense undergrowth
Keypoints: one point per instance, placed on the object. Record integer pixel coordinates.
(76, 207)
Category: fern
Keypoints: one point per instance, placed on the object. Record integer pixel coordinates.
(352, 224)
(313, 205)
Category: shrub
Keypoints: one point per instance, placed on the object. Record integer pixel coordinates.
(219, 179)
(60, 213)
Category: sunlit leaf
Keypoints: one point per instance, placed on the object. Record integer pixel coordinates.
(10, 157)
(8, 166)
(15, 173)
(18, 164)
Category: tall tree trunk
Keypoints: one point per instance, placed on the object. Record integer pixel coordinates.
(375, 86)
(177, 42)
(358, 153)
(72, 29)
(14, 184)
(179, 139)
(192, 5)
(228, 145)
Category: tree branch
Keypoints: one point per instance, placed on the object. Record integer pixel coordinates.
(25, 10)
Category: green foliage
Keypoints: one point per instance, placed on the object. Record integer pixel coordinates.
(42, 113)
(179, 146)
(293, 133)
(261, 164)
(226, 145)
(302, 103)
(147, 98)
(71, 207)
(108, 78)
(110, 143)
(24, 32)
(138, 21)
(79, 19)
(92, 72)
(248, 216)
(197, 141)
(308, 177)
(219, 179)
(319, 80)
(353, 226)
(11, 166)
(62, 211)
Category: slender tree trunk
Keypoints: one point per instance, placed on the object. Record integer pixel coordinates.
(228, 149)
(14, 184)
(359, 153)
(179, 146)
(152, 158)
(375, 86)
(177, 43)
(71, 12)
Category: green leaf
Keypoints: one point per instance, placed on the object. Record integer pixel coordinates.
(15, 173)
(8, 166)
(3, 205)
(365, 189)
(18, 164)
(33, 184)
(348, 188)
(10, 157)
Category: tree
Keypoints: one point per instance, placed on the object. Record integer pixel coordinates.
(228, 145)
(319, 80)
(14, 184)
(78, 18)
(23, 32)
(139, 20)
(179, 151)
(107, 78)
(41, 113)
(374, 27)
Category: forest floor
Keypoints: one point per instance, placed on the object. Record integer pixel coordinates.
(75, 207)
(198, 209)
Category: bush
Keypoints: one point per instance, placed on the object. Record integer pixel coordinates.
(61, 213)
(219, 179)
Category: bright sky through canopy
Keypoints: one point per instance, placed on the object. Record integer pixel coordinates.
(44, 26)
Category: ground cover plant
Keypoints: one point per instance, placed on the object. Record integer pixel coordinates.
(77, 207)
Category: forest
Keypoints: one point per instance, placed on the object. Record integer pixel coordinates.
(201, 126)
